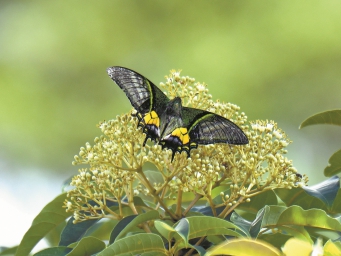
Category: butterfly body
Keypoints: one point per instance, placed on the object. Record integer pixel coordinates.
(169, 123)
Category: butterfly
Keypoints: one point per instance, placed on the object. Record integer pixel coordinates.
(167, 122)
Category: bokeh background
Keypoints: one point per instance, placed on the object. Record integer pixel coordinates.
(278, 60)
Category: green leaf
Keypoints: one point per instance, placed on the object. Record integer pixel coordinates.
(250, 228)
(325, 190)
(8, 251)
(300, 197)
(334, 166)
(205, 210)
(206, 225)
(53, 237)
(256, 224)
(297, 231)
(120, 226)
(102, 229)
(321, 195)
(272, 213)
(87, 246)
(243, 246)
(154, 176)
(50, 217)
(182, 228)
(164, 229)
(179, 231)
(327, 117)
(277, 239)
(317, 218)
(152, 215)
(54, 251)
(336, 207)
(257, 202)
(332, 248)
(294, 220)
(141, 203)
(136, 244)
(242, 223)
(323, 233)
(73, 232)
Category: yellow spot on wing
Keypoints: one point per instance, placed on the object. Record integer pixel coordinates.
(152, 118)
(182, 134)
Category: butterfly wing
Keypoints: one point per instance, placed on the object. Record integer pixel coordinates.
(208, 128)
(202, 127)
(144, 96)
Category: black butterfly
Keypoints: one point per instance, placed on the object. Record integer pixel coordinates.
(169, 123)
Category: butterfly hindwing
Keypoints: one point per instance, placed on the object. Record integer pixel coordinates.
(207, 128)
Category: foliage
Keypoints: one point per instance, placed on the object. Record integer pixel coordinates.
(328, 117)
(240, 200)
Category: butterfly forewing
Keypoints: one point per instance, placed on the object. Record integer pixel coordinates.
(144, 96)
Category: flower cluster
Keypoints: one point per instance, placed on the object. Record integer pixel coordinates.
(121, 169)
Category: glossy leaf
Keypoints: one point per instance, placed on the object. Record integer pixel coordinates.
(250, 228)
(87, 246)
(50, 217)
(334, 166)
(243, 246)
(73, 232)
(182, 229)
(300, 197)
(294, 221)
(325, 190)
(272, 213)
(164, 229)
(326, 117)
(143, 203)
(256, 224)
(54, 251)
(102, 229)
(242, 223)
(152, 215)
(207, 211)
(206, 225)
(179, 231)
(136, 244)
(120, 226)
(317, 218)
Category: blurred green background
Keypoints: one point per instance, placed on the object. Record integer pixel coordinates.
(278, 60)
